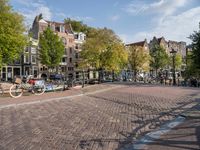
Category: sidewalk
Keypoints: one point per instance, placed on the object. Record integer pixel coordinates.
(185, 136)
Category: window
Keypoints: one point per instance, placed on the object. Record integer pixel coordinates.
(76, 55)
(63, 60)
(70, 68)
(62, 28)
(76, 36)
(26, 58)
(70, 50)
(76, 64)
(57, 29)
(76, 47)
(33, 59)
(70, 60)
(17, 61)
(26, 50)
(81, 37)
(63, 69)
(33, 50)
(65, 51)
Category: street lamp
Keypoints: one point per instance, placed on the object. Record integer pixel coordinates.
(173, 52)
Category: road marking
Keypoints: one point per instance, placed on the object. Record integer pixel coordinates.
(55, 99)
(150, 137)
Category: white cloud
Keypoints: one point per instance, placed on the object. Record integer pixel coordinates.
(32, 8)
(164, 7)
(79, 18)
(174, 27)
(35, 7)
(115, 18)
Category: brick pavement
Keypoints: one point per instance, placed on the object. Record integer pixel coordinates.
(184, 136)
(107, 120)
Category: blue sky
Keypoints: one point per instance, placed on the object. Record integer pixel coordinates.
(132, 20)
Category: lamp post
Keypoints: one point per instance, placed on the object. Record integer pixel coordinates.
(173, 52)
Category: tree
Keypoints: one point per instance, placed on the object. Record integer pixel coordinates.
(159, 58)
(138, 59)
(79, 26)
(178, 61)
(195, 37)
(104, 51)
(190, 68)
(51, 48)
(12, 36)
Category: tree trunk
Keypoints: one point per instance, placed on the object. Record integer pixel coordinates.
(113, 75)
(135, 75)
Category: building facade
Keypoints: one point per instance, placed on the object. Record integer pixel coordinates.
(144, 44)
(159, 41)
(71, 40)
(29, 64)
(180, 47)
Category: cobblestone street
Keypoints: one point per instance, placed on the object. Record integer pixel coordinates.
(106, 120)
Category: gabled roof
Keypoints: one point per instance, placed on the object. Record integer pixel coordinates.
(42, 21)
(141, 43)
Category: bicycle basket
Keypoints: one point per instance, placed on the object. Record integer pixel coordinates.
(18, 80)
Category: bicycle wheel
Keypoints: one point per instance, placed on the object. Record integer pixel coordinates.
(16, 90)
(39, 90)
(58, 85)
(77, 84)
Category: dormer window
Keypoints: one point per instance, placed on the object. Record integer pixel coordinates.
(62, 28)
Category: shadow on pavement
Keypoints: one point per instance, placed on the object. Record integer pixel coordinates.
(144, 125)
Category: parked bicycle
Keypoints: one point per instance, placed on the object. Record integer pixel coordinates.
(35, 86)
(55, 83)
(74, 84)
(1, 90)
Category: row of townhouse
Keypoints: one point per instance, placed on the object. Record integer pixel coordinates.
(29, 63)
(180, 47)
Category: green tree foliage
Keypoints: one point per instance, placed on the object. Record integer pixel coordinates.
(104, 51)
(190, 68)
(178, 61)
(79, 26)
(138, 59)
(159, 58)
(195, 37)
(51, 48)
(12, 38)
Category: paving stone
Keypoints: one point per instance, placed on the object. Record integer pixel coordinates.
(106, 120)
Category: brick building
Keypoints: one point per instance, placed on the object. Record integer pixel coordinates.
(142, 44)
(180, 47)
(71, 40)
